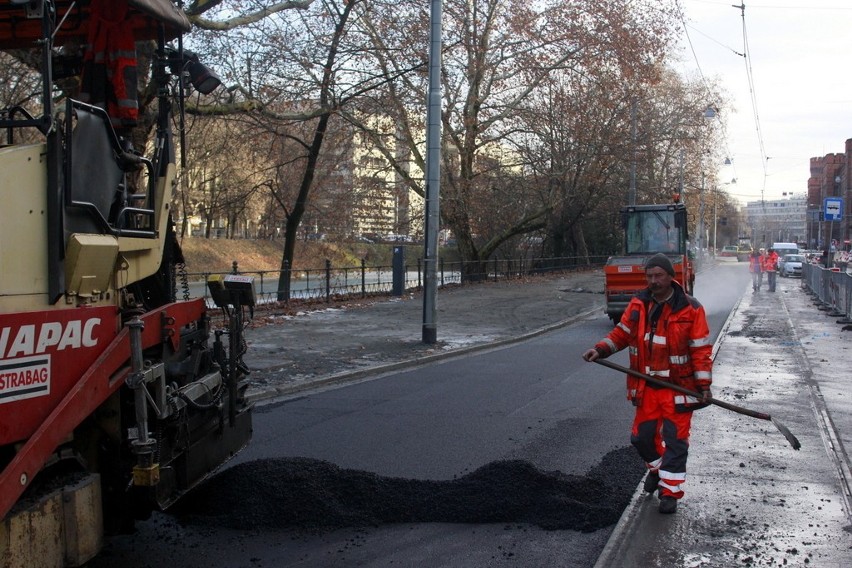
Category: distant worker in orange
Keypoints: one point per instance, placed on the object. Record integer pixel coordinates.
(755, 267)
(769, 265)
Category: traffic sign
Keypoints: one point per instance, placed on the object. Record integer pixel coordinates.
(833, 207)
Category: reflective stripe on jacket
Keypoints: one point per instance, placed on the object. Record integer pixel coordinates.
(110, 77)
(769, 263)
(679, 351)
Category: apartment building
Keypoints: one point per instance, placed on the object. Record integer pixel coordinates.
(777, 220)
(385, 203)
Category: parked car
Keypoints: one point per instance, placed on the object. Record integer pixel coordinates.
(782, 250)
(729, 251)
(792, 265)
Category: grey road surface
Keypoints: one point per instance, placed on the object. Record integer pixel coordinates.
(534, 400)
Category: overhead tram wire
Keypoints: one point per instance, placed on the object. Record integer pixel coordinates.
(704, 81)
(717, 42)
(753, 96)
(749, 71)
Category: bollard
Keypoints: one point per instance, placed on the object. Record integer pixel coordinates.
(327, 280)
(284, 283)
(398, 286)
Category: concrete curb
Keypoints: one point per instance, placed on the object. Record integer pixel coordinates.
(619, 539)
(272, 395)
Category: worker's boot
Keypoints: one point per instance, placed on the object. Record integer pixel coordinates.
(652, 480)
(668, 504)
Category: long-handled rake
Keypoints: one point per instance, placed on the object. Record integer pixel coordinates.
(726, 405)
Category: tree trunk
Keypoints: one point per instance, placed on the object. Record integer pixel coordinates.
(580, 246)
(294, 219)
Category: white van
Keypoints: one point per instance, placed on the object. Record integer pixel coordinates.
(782, 249)
(785, 248)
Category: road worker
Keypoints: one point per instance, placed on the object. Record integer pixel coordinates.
(755, 267)
(669, 339)
(769, 265)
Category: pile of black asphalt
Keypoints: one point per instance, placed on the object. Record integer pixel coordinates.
(315, 495)
(305, 494)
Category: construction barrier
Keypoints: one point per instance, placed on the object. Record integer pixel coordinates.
(831, 289)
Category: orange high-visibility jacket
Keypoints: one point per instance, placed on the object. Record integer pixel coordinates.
(109, 77)
(770, 262)
(679, 351)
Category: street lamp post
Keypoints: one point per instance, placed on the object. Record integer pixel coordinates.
(715, 207)
(701, 237)
(433, 178)
(709, 113)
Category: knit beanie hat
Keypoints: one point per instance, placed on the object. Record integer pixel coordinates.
(662, 261)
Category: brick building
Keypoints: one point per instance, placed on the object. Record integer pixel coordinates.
(830, 177)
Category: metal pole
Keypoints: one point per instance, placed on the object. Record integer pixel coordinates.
(136, 381)
(235, 329)
(702, 244)
(433, 173)
(828, 242)
(631, 197)
(327, 280)
(715, 226)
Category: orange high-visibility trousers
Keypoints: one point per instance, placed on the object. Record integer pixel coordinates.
(661, 436)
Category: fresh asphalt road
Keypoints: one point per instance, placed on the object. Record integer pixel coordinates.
(535, 400)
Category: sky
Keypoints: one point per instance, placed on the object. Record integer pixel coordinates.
(799, 99)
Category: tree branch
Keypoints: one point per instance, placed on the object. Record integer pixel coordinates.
(199, 7)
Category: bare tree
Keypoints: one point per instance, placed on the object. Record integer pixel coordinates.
(498, 54)
(221, 177)
(20, 88)
(579, 142)
(293, 67)
(292, 71)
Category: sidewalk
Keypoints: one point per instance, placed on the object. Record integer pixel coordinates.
(752, 500)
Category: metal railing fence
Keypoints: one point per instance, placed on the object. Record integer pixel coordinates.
(831, 289)
(340, 282)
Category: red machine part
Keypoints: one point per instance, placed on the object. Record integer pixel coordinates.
(42, 355)
(97, 381)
